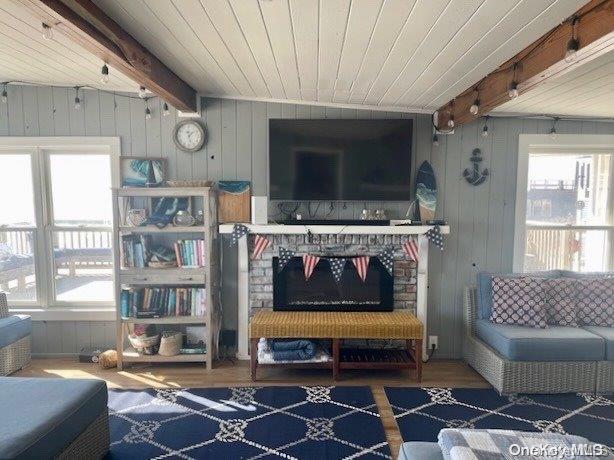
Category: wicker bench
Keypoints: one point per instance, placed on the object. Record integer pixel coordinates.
(338, 326)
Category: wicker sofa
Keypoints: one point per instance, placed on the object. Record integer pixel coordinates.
(15, 339)
(591, 373)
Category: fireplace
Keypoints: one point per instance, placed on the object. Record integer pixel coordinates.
(321, 293)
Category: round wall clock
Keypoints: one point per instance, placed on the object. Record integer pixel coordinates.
(189, 135)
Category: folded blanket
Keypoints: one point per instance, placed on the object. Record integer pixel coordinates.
(265, 355)
(292, 350)
(464, 444)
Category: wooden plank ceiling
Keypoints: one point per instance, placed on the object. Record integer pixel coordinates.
(26, 56)
(587, 91)
(394, 53)
(410, 55)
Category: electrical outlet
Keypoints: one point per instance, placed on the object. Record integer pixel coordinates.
(433, 341)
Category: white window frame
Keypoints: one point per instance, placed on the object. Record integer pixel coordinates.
(39, 149)
(560, 144)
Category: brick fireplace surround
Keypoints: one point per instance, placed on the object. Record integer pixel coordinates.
(255, 277)
(261, 270)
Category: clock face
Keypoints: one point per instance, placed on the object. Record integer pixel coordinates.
(189, 136)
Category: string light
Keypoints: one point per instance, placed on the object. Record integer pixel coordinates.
(5, 96)
(77, 100)
(142, 92)
(475, 107)
(572, 45)
(485, 129)
(435, 140)
(147, 111)
(165, 110)
(513, 89)
(47, 32)
(553, 129)
(104, 74)
(451, 121)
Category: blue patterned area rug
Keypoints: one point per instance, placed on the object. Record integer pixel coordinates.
(247, 423)
(422, 412)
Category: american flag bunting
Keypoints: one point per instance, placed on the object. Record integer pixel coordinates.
(362, 265)
(410, 247)
(309, 263)
(260, 244)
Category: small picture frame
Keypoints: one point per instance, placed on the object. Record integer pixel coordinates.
(142, 171)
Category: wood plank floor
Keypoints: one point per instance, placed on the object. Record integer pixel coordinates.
(435, 374)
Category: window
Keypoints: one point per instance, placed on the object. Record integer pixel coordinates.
(56, 221)
(565, 203)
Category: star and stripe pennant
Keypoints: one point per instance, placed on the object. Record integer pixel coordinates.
(260, 245)
(337, 265)
(362, 265)
(410, 247)
(284, 256)
(434, 235)
(309, 263)
(238, 232)
(387, 259)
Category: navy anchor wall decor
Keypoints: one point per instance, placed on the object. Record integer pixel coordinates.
(474, 176)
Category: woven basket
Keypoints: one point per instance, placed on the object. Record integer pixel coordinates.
(144, 344)
(170, 344)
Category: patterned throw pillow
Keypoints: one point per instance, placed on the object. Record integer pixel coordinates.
(561, 296)
(519, 301)
(596, 302)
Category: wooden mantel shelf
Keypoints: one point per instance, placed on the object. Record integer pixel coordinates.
(279, 229)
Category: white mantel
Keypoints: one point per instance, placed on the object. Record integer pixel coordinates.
(279, 229)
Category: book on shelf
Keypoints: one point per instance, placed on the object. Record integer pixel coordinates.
(190, 253)
(135, 250)
(157, 302)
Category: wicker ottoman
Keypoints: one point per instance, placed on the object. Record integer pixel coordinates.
(337, 326)
(53, 418)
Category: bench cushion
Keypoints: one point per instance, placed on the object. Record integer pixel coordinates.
(46, 415)
(13, 328)
(555, 343)
(607, 333)
(417, 450)
(397, 324)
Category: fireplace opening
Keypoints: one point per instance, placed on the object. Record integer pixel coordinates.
(291, 292)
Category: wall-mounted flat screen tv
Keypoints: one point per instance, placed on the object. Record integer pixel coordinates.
(340, 160)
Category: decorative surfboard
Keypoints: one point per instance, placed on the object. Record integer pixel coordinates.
(426, 191)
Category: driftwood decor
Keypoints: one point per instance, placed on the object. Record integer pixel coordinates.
(473, 175)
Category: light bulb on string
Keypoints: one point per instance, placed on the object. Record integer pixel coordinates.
(435, 140)
(475, 107)
(165, 110)
(104, 74)
(77, 104)
(147, 111)
(142, 92)
(571, 54)
(485, 129)
(5, 96)
(47, 32)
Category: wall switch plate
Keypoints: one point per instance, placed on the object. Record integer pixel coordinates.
(433, 341)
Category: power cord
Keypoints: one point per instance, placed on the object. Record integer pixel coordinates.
(431, 353)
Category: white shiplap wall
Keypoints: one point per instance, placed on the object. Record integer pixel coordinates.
(481, 218)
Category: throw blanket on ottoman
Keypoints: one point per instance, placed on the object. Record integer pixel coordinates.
(468, 444)
(292, 350)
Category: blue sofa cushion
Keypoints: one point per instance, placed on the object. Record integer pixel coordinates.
(417, 450)
(607, 333)
(484, 288)
(555, 343)
(13, 328)
(41, 416)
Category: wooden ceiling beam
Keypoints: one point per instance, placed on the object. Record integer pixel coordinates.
(540, 61)
(86, 24)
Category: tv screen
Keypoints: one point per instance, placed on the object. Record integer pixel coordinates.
(328, 160)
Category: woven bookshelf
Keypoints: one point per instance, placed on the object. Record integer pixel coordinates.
(179, 296)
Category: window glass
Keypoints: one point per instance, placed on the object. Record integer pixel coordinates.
(81, 189)
(17, 274)
(83, 266)
(16, 190)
